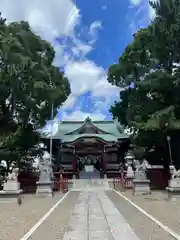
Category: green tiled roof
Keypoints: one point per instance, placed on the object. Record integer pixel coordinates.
(112, 130)
(72, 138)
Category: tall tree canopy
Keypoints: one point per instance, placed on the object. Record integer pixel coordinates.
(149, 72)
(29, 83)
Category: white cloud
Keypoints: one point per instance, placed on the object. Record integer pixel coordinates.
(57, 19)
(83, 76)
(93, 30)
(151, 11)
(135, 2)
(86, 76)
(48, 19)
(51, 18)
(81, 49)
(51, 126)
(145, 4)
(70, 102)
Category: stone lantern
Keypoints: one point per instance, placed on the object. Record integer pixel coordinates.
(129, 158)
(130, 173)
(45, 183)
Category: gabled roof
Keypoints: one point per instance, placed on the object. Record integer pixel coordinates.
(105, 137)
(67, 130)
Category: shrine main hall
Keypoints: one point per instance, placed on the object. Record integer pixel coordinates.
(88, 148)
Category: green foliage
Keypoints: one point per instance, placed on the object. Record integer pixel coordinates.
(139, 153)
(29, 84)
(152, 107)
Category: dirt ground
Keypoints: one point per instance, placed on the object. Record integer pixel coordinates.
(158, 205)
(16, 220)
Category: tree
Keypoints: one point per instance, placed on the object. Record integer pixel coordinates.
(152, 104)
(29, 83)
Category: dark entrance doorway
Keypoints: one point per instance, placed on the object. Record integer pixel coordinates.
(89, 167)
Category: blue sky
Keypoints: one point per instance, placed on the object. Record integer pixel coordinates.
(88, 36)
(110, 26)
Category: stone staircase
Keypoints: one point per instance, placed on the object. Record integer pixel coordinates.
(90, 184)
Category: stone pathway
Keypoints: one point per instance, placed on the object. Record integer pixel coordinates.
(95, 217)
(89, 184)
(91, 214)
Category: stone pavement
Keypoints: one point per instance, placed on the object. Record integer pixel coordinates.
(89, 184)
(95, 214)
(95, 217)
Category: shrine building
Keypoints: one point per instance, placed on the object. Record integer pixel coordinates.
(97, 147)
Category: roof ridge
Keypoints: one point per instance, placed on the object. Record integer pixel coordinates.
(96, 121)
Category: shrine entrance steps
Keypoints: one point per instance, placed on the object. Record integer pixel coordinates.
(87, 184)
(89, 175)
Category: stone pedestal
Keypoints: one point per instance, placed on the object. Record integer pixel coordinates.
(141, 183)
(44, 188)
(174, 188)
(129, 177)
(141, 187)
(11, 188)
(45, 183)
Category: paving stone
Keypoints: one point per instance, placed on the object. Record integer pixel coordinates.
(119, 228)
(99, 235)
(104, 221)
(76, 235)
(98, 215)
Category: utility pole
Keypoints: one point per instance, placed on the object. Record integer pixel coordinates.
(52, 117)
(169, 146)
